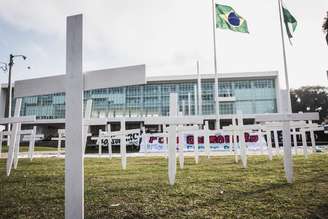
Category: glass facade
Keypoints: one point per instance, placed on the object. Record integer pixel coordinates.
(247, 96)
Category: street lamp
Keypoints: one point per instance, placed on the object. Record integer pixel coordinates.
(9, 94)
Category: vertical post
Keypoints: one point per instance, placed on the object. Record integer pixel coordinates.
(13, 138)
(199, 84)
(172, 138)
(59, 143)
(276, 141)
(123, 144)
(304, 143)
(269, 140)
(260, 137)
(235, 145)
(100, 142)
(312, 138)
(17, 147)
(181, 155)
(295, 141)
(289, 106)
(74, 170)
(243, 149)
(110, 152)
(196, 147)
(288, 160)
(32, 143)
(216, 77)
(207, 140)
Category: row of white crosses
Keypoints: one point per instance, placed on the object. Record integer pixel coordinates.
(286, 120)
(303, 127)
(109, 135)
(14, 136)
(173, 121)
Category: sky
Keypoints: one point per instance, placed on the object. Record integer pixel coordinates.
(168, 36)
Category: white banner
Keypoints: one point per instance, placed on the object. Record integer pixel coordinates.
(218, 142)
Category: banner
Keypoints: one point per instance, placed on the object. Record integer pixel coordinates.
(218, 142)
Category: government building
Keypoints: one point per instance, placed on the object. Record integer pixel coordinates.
(128, 92)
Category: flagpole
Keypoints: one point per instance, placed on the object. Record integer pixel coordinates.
(285, 57)
(216, 77)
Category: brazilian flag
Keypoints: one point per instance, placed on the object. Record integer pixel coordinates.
(227, 18)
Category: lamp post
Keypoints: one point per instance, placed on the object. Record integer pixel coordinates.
(9, 93)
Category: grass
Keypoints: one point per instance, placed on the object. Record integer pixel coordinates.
(25, 148)
(215, 188)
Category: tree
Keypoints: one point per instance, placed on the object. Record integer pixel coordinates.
(325, 27)
(310, 99)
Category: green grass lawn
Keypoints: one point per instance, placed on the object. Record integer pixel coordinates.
(25, 148)
(215, 188)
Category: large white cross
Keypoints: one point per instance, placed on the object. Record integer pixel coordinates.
(173, 121)
(13, 143)
(74, 151)
(286, 119)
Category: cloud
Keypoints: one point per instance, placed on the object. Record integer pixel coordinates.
(168, 36)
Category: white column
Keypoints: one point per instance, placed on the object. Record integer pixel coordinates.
(269, 142)
(32, 143)
(261, 145)
(74, 169)
(181, 147)
(13, 137)
(304, 143)
(312, 138)
(196, 147)
(17, 148)
(172, 138)
(295, 140)
(207, 140)
(100, 142)
(59, 144)
(243, 149)
(276, 141)
(235, 149)
(123, 145)
(110, 150)
(288, 160)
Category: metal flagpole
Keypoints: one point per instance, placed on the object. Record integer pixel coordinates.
(216, 77)
(285, 57)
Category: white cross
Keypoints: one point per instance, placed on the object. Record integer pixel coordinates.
(60, 138)
(122, 135)
(173, 121)
(240, 129)
(14, 137)
(286, 119)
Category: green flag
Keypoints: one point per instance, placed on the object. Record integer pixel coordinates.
(227, 18)
(290, 22)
